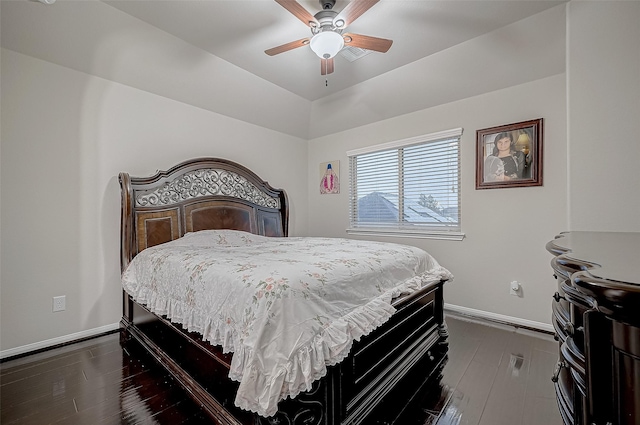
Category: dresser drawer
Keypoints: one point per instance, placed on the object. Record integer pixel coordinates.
(561, 319)
(565, 396)
(574, 360)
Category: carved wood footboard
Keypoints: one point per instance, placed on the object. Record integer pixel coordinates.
(402, 354)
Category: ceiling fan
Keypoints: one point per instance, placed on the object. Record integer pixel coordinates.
(327, 26)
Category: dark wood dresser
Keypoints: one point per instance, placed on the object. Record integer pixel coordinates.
(596, 316)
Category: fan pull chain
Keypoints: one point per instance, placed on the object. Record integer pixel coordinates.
(326, 82)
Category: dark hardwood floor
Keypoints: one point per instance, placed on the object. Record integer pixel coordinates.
(494, 376)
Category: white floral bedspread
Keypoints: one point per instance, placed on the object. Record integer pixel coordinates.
(286, 307)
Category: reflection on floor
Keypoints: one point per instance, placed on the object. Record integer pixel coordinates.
(494, 376)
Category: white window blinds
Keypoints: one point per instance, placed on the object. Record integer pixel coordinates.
(409, 187)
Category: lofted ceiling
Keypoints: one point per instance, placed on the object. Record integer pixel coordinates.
(239, 31)
(210, 54)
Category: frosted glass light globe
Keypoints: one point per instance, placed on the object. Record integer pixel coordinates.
(326, 44)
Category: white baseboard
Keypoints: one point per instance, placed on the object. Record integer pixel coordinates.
(59, 340)
(455, 309)
(500, 318)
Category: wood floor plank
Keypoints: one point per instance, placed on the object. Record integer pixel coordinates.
(541, 410)
(7, 366)
(110, 346)
(25, 372)
(453, 411)
(540, 403)
(492, 347)
(461, 353)
(36, 408)
(111, 388)
(66, 383)
(64, 408)
(506, 400)
(54, 384)
(494, 375)
(541, 341)
(542, 366)
(470, 395)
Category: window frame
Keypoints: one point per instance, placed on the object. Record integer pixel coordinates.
(444, 232)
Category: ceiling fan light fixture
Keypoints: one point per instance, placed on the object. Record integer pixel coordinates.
(326, 44)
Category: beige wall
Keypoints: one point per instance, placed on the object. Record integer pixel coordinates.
(81, 102)
(89, 91)
(603, 56)
(506, 229)
(590, 164)
(65, 137)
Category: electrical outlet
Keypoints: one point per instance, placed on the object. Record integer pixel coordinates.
(59, 303)
(514, 288)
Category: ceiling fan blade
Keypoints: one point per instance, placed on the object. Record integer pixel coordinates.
(353, 10)
(298, 11)
(367, 42)
(326, 66)
(288, 46)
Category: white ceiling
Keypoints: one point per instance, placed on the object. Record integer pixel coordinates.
(239, 31)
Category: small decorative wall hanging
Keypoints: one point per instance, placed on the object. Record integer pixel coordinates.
(509, 155)
(330, 177)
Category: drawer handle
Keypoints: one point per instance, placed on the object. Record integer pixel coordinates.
(556, 372)
(558, 297)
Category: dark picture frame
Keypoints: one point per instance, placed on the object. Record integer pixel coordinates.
(509, 155)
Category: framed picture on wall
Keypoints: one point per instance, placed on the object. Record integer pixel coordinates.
(509, 155)
(330, 177)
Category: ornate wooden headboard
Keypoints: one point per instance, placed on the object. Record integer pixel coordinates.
(199, 194)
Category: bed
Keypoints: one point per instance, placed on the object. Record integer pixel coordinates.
(377, 340)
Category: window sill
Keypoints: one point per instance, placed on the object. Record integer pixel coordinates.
(425, 234)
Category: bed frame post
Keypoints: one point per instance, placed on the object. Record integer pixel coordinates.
(126, 243)
(126, 221)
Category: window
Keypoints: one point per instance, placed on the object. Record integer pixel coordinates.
(408, 187)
